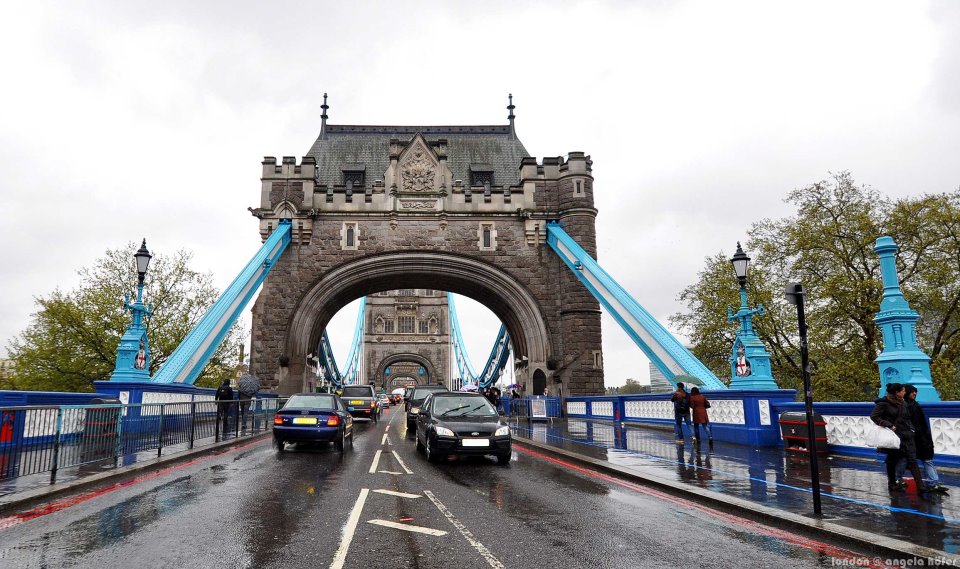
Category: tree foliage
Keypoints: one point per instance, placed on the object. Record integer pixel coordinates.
(828, 246)
(73, 336)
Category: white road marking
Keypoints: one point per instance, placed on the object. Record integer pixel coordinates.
(376, 460)
(407, 527)
(389, 472)
(399, 494)
(348, 531)
(484, 552)
(402, 465)
(384, 440)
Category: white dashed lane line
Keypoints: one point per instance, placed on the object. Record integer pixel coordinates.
(484, 552)
(376, 461)
(348, 530)
(399, 460)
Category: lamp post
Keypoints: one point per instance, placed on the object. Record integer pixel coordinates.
(133, 354)
(749, 360)
(795, 293)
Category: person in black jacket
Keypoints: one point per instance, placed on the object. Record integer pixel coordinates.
(924, 442)
(224, 403)
(891, 412)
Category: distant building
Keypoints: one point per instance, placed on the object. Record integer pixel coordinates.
(7, 370)
(658, 383)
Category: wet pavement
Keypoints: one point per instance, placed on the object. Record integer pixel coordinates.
(853, 491)
(255, 506)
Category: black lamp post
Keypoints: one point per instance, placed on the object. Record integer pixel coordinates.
(143, 261)
(740, 261)
(795, 295)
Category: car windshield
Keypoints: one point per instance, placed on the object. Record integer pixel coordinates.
(463, 407)
(422, 392)
(356, 391)
(310, 402)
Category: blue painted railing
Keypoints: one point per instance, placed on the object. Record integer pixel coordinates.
(663, 349)
(189, 358)
(352, 373)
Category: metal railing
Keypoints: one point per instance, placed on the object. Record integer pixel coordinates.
(39, 439)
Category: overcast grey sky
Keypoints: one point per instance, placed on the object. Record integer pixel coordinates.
(122, 120)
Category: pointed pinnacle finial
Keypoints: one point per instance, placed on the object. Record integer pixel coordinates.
(511, 116)
(323, 118)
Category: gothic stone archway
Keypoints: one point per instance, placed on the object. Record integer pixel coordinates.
(460, 209)
(380, 378)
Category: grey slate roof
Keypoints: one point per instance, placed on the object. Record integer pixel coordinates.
(341, 147)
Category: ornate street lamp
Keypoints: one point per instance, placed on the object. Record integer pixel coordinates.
(133, 354)
(749, 360)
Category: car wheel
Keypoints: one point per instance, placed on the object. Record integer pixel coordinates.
(342, 441)
(278, 442)
(503, 458)
(376, 417)
(411, 427)
(419, 445)
(432, 455)
(352, 435)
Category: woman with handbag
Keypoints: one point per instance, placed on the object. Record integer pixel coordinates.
(891, 412)
(699, 406)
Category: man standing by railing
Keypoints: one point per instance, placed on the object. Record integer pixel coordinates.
(224, 402)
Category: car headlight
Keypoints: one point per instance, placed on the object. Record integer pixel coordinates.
(502, 431)
(445, 432)
(414, 410)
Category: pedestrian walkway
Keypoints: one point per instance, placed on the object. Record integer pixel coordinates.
(854, 491)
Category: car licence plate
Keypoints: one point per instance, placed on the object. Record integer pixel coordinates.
(356, 402)
(476, 442)
(304, 420)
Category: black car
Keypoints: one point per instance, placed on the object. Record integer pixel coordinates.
(308, 417)
(461, 424)
(361, 401)
(415, 399)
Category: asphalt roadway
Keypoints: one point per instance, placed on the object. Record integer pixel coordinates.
(382, 505)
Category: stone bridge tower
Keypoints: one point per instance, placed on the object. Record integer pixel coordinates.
(407, 338)
(450, 208)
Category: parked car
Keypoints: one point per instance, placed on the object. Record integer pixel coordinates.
(309, 417)
(462, 424)
(415, 399)
(361, 401)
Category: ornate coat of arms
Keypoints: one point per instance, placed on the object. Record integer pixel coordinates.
(418, 172)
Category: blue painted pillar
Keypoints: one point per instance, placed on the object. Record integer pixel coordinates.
(901, 360)
(133, 354)
(749, 361)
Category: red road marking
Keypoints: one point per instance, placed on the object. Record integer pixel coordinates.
(58, 505)
(756, 527)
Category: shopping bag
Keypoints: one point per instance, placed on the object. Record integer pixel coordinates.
(880, 437)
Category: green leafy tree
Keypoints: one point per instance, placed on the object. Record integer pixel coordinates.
(73, 336)
(631, 386)
(828, 246)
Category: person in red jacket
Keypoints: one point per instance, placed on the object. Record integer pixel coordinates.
(699, 406)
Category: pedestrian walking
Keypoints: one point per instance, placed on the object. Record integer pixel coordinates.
(247, 389)
(699, 405)
(224, 403)
(891, 412)
(495, 399)
(924, 442)
(681, 410)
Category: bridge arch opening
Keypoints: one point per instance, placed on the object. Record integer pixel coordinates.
(483, 282)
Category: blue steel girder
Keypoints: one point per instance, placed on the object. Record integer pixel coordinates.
(189, 358)
(352, 370)
(496, 362)
(663, 349)
(328, 363)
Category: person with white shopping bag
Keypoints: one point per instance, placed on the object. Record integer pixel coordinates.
(891, 412)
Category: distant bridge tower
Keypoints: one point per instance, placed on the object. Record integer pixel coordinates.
(407, 338)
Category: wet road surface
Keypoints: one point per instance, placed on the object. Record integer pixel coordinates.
(380, 504)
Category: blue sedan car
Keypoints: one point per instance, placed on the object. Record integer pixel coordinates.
(309, 417)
